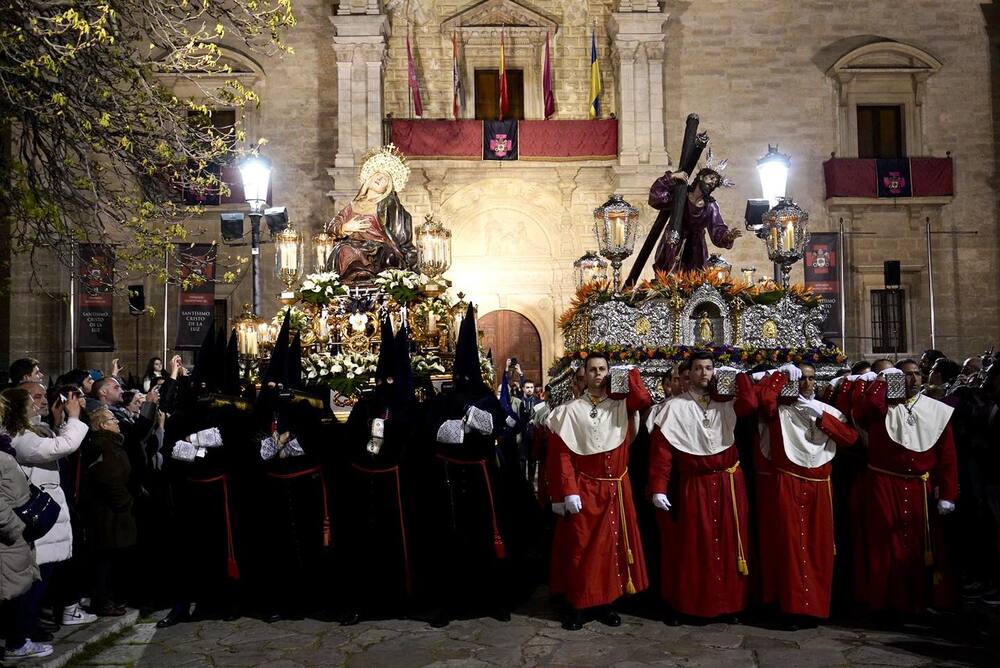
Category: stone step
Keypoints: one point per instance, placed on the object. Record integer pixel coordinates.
(72, 641)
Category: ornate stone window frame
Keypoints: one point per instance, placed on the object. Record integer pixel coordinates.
(884, 72)
(478, 34)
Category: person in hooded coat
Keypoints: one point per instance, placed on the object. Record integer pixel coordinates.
(204, 565)
(293, 496)
(470, 509)
(383, 488)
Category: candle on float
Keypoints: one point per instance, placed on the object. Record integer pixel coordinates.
(431, 323)
(618, 233)
(774, 238)
(789, 236)
(252, 343)
(324, 326)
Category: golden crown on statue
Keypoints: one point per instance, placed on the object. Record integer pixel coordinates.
(389, 160)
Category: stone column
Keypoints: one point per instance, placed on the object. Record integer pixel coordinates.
(637, 48)
(360, 48)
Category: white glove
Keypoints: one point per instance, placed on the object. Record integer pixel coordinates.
(759, 376)
(727, 368)
(559, 509)
(794, 372)
(573, 504)
(183, 451)
(661, 501)
(811, 406)
(868, 376)
(853, 377)
(891, 371)
(206, 438)
(945, 507)
(838, 381)
(451, 431)
(479, 420)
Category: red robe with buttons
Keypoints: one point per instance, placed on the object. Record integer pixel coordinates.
(898, 576)
(802, 520)
(590, 551)
(699, 574)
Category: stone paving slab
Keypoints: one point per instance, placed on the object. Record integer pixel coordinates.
(71, 641)
(531, 641)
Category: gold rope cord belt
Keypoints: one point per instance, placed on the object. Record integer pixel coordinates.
(629, 587)
(923, 478)
(741, 560)
(829, 491)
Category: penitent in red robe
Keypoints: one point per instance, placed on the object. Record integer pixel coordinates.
(801, 450)
(910, 467)
(597, 553)
(704, 537)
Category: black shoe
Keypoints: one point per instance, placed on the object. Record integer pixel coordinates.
(49, 625)
(271, 617)
(231, 615)
(173, 618)
(573, 621)
(609, 618)
(501, 615)
(353, 617)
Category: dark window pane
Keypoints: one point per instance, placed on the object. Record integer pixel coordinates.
(219, 123)
(488, 94)
(880, 132)
(888, 321)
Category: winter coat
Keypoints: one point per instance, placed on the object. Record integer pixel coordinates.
(39, 456)
(17, 557)
(108, 502)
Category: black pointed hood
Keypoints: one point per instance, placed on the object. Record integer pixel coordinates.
(466, 372)
(294, 363)
(202, 377)
(384, 368)
(277, 372)
(231, 367)
(404, 371)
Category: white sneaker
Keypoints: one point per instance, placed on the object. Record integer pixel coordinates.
(29, 650)
(74, 615)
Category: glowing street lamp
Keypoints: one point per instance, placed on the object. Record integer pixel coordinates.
(255, 172)
(773, 172)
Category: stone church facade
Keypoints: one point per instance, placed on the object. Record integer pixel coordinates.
(786, 73)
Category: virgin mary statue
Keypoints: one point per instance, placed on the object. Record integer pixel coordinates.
(374, 232)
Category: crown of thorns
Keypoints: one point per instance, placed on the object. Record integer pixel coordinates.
(389, 160)
(710, 166)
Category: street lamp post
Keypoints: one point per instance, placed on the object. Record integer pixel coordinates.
(256, 175)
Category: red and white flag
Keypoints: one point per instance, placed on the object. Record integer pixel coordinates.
(504, 100)
(411, 73)
(547, 95)
(458, 98)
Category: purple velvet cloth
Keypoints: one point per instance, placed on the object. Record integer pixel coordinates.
(696, 222)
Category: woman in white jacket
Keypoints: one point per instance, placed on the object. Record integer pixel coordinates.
(39, 457)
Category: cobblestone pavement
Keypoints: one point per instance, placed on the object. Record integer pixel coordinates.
(535, 638)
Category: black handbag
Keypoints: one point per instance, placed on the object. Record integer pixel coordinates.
(39, 514)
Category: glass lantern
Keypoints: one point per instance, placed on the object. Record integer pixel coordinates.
(615, 225)
(786, 233)
(773, 172)
(248, 335)
(255, 173)
(590, 267)
(288, 261)
(748, 274)
(433, 253)
(323, 244)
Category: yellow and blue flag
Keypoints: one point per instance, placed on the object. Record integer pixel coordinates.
(595, 79)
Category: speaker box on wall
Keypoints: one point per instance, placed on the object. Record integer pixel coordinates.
(136, 299)
(891, 272)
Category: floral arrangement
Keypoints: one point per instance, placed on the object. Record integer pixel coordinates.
(400, 284)
(298, 320)
(439, 306)
(730, 355)
(486, 368)
(319, 288)
(345, 373)
(426, 365)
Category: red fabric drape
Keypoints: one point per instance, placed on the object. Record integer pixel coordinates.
(568, 140)
(857, 177)
(455, 140)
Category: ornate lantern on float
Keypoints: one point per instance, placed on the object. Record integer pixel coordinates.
(433, 254)
(785, 233)
(718, 267)
(615, 225)
(248, 338)
(288, 261)
(323, 244)
(590, 267)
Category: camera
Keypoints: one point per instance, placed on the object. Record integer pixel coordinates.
(513, 361)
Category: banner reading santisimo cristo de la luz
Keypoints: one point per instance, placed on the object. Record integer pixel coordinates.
(96, 301)
(196, 302)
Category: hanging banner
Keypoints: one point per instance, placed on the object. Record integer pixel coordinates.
(96, 302)
(500, 140)
(196, 301)
(822, 267)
